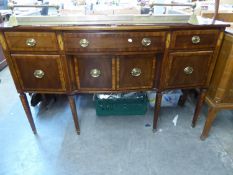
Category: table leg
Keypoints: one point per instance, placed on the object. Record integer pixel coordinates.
(201, 100)
(156, 110)
(74, 113)
(208, 123)
(27, 110)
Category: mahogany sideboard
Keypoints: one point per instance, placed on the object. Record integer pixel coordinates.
(111, 58)
(220, 93)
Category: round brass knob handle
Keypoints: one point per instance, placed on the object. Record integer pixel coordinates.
(188, 70)
(196, 39)
(136, 72)
(146, 42)
(39, 73)
(95, 73)
(84, 42)
(30, 42)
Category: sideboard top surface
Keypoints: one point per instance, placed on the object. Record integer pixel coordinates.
(203, 23)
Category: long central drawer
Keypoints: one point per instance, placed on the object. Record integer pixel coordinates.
(114, 41)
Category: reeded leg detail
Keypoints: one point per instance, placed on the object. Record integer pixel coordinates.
(201, 100)
(208, 123)
(156, 110)
(27, 110)
(74, 113)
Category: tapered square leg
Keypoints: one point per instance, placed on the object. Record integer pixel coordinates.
(201, 100)
(156, 110)
(208, 123)
(27, 110)
(74, 113)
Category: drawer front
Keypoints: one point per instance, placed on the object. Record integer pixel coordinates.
(136, 71)
(194, 39)
(187, 69)
(39, 72)
(31, 41)
(133, 41)
(94, 72)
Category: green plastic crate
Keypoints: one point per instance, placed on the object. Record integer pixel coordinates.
(126, 104)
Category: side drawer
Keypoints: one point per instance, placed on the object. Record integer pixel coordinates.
(31, 41)
(194, 39)
(94, 72)
(188, 69)
(39, 72)
(114, 41)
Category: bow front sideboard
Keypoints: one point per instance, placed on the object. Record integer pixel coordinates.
(111, 58)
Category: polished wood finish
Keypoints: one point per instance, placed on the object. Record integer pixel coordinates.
(92, 59)
(9, 62)
(220, 94)
(26, 65)
(198, 61)
(84, 78)
(208, 123)
(27, 110)
(200, 101)
(202, 24)
(158, 100)
(45, 41)
(144, 63)
(183, 39)
(74, 113)
(114, 41)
